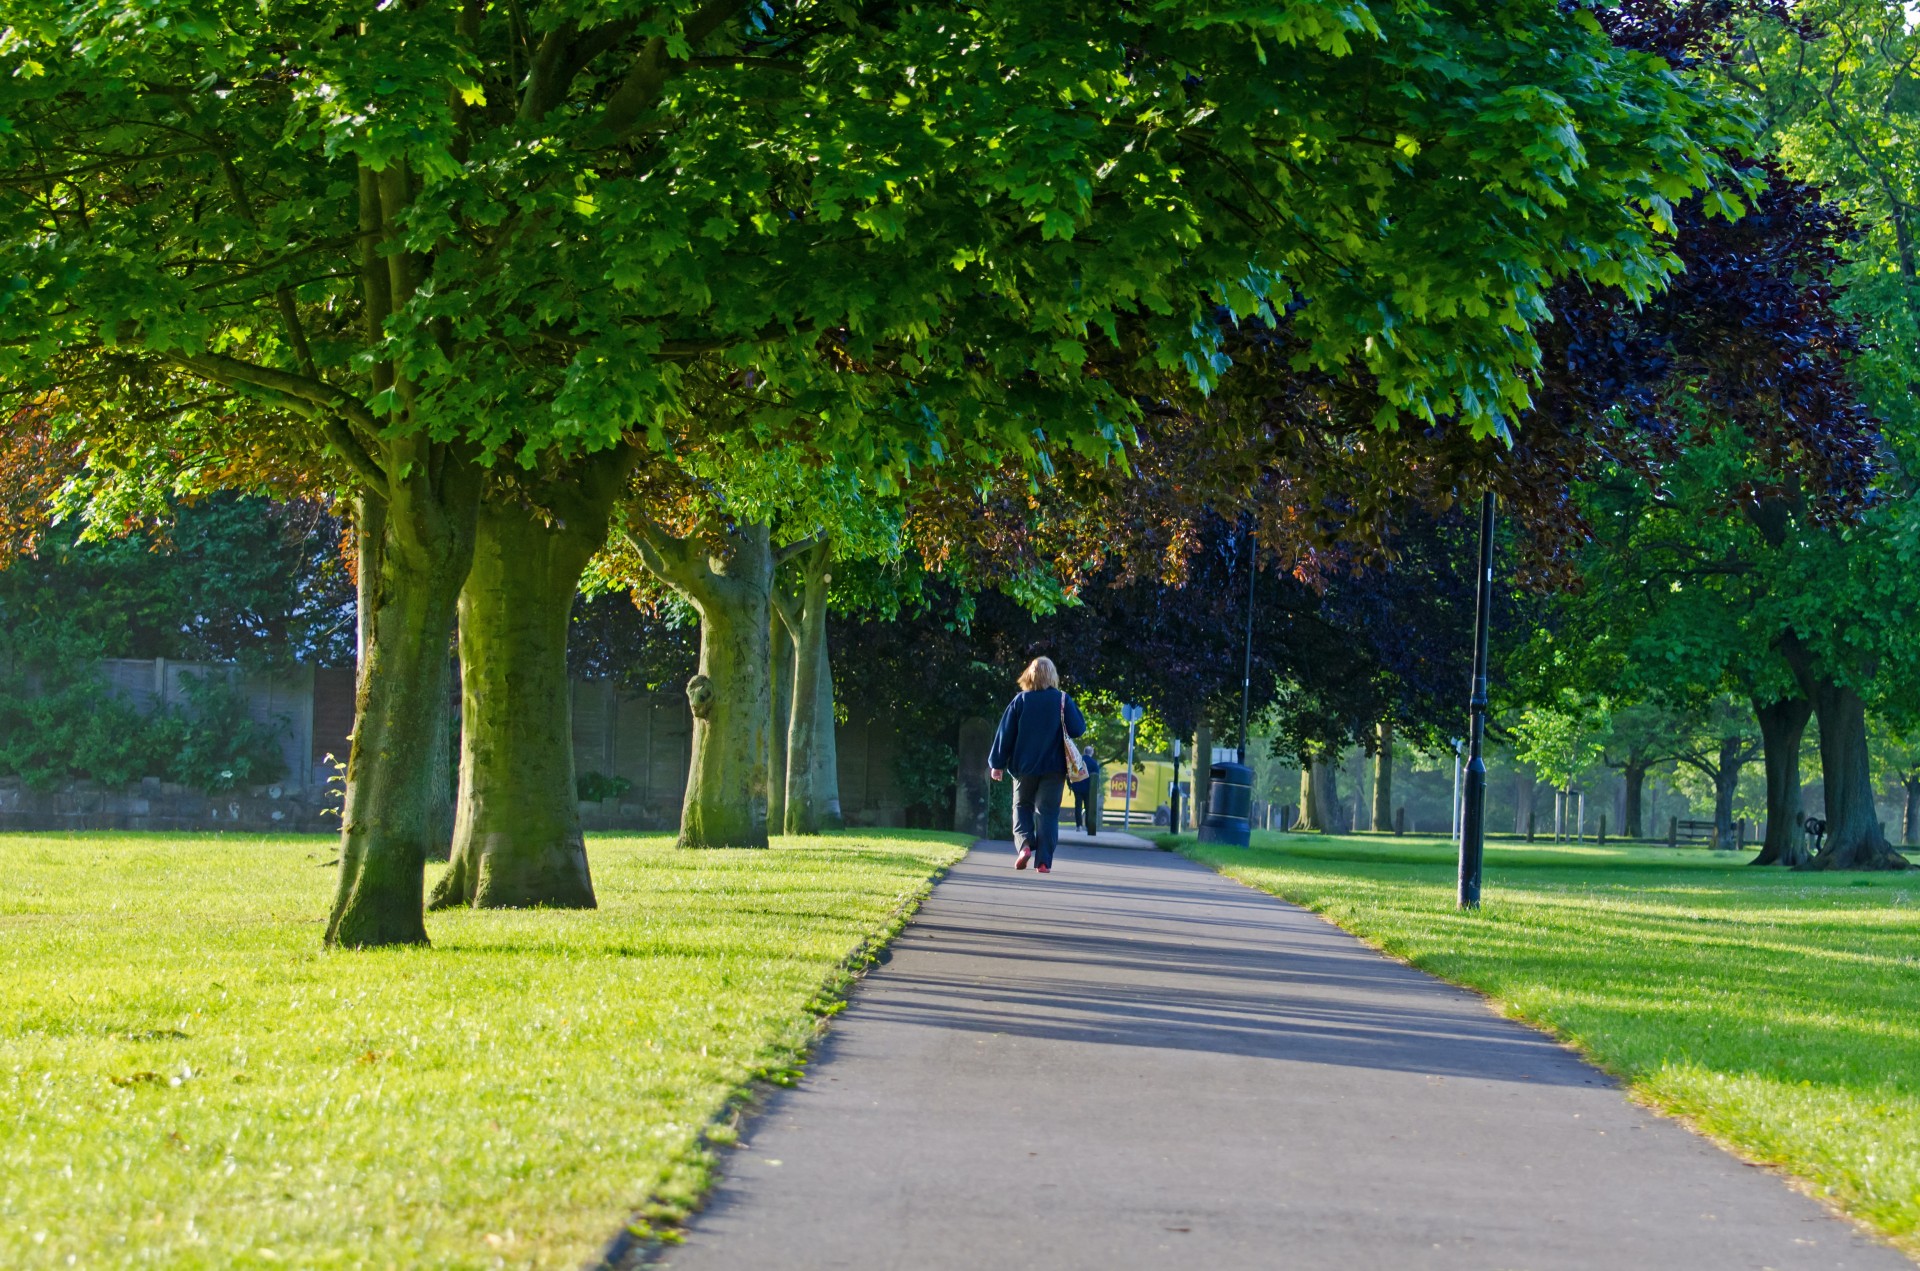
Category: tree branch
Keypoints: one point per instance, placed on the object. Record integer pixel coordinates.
(653, 67)
(781, 555)
(334, 409)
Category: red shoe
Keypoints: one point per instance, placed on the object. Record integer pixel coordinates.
(1043, 869)
(1020, 861)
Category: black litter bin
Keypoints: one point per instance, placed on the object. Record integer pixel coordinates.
(1229, 805)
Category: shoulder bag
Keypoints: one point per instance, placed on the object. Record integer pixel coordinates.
(1076, 766)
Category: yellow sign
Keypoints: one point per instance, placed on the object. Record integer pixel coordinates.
(1150, 786)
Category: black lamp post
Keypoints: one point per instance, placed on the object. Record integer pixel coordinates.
(1473, 809)
(1246, 667)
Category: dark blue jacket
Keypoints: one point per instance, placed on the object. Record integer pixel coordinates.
(1028, 743)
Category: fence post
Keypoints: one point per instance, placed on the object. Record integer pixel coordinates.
(1601, 839)
(1673, 831)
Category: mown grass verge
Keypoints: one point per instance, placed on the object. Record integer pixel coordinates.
(1779, 1012)
(188, 1081)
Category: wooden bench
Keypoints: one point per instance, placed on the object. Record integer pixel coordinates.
(1702, 832)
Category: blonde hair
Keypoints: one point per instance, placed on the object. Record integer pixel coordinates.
(1040, 673)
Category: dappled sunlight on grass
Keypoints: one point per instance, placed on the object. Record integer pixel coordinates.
(187, 1080)
(1779, 1011)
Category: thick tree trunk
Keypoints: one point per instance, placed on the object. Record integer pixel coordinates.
(813, 763)
(1633, 779)
(517, 838)
(731, 698)
(1383, 779)
(1910, 817)
(1782, 725)
(780, 685)
(1309, 800)
(415, 547)
(1854, 837)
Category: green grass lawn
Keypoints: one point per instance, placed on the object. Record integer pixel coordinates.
(187, 1080)
(1779, 1012)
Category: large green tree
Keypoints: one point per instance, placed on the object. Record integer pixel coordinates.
(441, 237)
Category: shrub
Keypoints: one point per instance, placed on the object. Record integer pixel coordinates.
(598, 787)
(213, 744)
(61, 723)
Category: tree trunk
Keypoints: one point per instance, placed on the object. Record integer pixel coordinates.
(1523, 783)
(732, 701)
(1326, 795)
(1633, 777)
(1383, 778)
(1203, 772)
(1559, 813)
(1726, 784)
(517, 838)
(415, 547)
(440, 821)
(780, 685)
(813, 764)
(1314, 797)
(1854, 838)
(1910, 818)
(445, 728)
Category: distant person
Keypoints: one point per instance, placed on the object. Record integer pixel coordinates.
(1031, 744)
(1086, 796)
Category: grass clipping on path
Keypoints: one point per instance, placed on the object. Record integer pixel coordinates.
(188, 1081)
(1779, 1011)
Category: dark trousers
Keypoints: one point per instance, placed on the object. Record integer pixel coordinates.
(1036, 813)
(1086, 807)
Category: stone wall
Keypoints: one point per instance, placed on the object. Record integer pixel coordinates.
(156, 805)
(645, 740)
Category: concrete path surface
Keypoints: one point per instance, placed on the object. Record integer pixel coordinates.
(1111, 837)
(1136, 1063)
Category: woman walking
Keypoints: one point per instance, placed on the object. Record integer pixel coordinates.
(1032, 743)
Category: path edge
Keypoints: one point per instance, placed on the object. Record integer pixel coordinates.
(643, 1237)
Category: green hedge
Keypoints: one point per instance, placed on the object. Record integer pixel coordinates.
(64, 724)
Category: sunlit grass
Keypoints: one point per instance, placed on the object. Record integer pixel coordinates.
(188, 1081)
(1779, 1011)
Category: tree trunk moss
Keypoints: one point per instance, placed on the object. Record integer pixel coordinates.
(812, 800)
(415, 547)
(517, 838)
(731, 696)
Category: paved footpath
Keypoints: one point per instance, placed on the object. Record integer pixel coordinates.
(1137, 1063)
